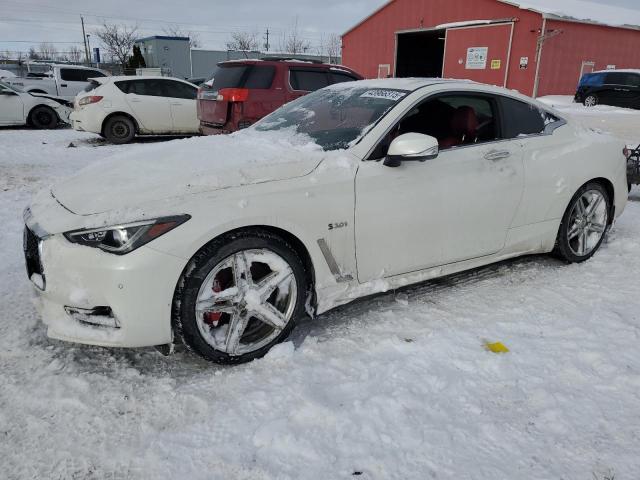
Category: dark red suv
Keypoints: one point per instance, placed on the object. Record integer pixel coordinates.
(242, 92)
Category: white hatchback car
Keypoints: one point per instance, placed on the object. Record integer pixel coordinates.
(119, 108)
(33, 109)
(224, 242)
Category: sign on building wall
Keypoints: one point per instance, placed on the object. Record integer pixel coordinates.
(477, 58)
(496, 64)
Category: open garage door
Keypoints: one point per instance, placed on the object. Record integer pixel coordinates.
(420, 53)
(480, 53)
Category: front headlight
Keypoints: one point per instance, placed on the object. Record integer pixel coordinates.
(123, 239)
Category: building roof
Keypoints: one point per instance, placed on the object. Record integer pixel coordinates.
(582, 11)
(161, 37)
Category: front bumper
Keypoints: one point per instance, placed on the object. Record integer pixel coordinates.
(89, 296)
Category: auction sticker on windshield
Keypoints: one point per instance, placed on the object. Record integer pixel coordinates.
(393, 95)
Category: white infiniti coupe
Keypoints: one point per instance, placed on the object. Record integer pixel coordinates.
(224, 242)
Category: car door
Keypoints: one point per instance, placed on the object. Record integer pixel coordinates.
(74, 80)
(455, 207)
(182, 102)
(11, 107)
(149, 105)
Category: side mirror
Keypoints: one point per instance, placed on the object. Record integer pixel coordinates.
(411, 147)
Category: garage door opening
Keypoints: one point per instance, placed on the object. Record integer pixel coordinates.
(420, 54)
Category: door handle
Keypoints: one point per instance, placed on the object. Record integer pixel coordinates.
(63, 84)
(178, 104)
(497, 155)
(135, 100)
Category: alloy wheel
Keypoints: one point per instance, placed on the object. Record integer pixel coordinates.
(590, 101)
(246, 301)
(588, 223)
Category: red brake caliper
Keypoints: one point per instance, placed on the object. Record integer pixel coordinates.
(213, 318)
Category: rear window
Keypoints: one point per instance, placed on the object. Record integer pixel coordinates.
(242, 76)
(92, 86)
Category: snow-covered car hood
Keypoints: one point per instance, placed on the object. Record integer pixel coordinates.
(144, 176)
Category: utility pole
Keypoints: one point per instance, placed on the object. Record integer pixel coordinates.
(266, 45)
(84, 40)
(90, 52)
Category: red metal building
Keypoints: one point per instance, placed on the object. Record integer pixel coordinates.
(539, 47)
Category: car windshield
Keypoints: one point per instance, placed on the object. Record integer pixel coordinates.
(334, 117)
(11, 87)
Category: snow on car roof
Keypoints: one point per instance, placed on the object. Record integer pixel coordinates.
(622, 70)
(409, 84)
(582, 10)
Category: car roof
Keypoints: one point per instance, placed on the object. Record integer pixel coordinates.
(622, 70)
(120, 78)
(284, 61)
(410, 84)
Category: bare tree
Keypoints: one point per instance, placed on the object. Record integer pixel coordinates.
(176, 31)
(243, 41)
(75, 54)
(118, 40)
(47, 51)
(33, 55)
(333, 47)
(292, 42)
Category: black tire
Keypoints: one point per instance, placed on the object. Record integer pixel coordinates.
(196, 272)
(119, 129)
(591, 100)
(43, 117)
(562, 248)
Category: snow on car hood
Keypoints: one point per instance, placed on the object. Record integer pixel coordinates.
(185, 167)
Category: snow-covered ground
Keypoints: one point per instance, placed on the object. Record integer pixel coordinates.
(394, 387)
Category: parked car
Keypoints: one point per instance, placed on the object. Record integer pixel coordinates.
(226, 242)
(119, 108)
(241, 92)
(64, 81)
(7, 74)
(620, 88)
(36, 110)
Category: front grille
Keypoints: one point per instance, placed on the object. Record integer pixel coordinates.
(31, 248)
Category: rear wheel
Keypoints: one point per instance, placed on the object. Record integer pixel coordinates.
(590, 101)
(43, 117)
(239, 296)
(584, 224)
(119, 129)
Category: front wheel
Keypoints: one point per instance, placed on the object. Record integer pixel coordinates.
(43, 117)
(590, 101)
(584, 224)
(240, 295)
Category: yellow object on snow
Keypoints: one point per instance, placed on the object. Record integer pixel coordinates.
(496, 347)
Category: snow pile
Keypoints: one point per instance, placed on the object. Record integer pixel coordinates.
(582, 10)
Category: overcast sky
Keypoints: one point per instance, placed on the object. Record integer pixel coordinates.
(24, 23)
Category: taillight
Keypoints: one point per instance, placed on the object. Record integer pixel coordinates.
(233, 95)
(90, 99)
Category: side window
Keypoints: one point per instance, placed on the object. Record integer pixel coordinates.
(455, 120)
(124, 87)
(152, 88)
(592, 80)
(308, 80)
(339, 77)
(70, 75)
(619, 78)
(78, 75)
(260, 77)
(521, 118)
(179, 90)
